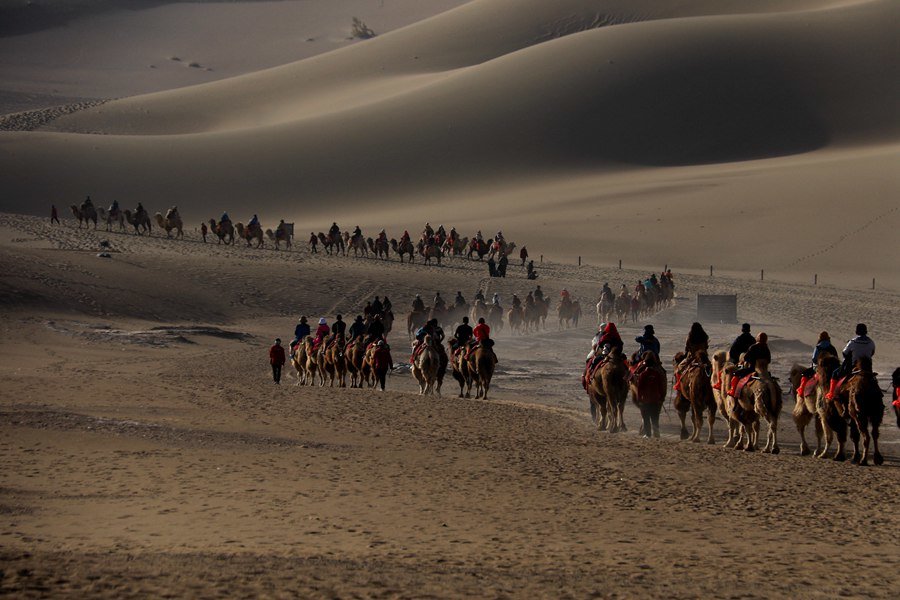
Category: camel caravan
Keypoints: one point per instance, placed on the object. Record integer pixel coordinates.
(836, 396)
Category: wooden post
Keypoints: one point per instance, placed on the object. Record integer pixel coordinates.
(873, 283)
(710, 270)
(666, 268)
(579, 261)
(542, 259)
(816, 279)
(762, 274)
(620, 264)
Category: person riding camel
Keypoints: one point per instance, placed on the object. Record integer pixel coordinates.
(479, 295)
(88, 203)
(382, 236)
(454, 236)
(440, 231)
(417, 304)
(756, 358)
(606, 293)
(254, 222)
(459, 300)
(610, 339)
(538, 294)
(697, 341)
(529, 300)
(281, 230)
(334, 231)
(606, 338)
(741, 344)
(321, 333)
(428, 232)
(114, 208)
(377, 306)
(405, 237)
(648, 341)
(172, 213)
(368, 310)
(431, 328)
(564, 295)
(386, 306)
(140, 211)
(357, 233)
(357, 329)
(478, 237)
(482, 335)
(338, 328)
(823, 347)
(301, 332)
(858, 347)
(463, 335)
(516, 302)
(375, 330)
(499, 237)
(225, 219)
(438, 302)
(529, 270)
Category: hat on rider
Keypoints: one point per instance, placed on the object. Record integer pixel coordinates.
(323, 321)
(745, 328)
(861, 329)
(648, 329)
(303, 319)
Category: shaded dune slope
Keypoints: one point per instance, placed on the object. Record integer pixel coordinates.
(485, 93)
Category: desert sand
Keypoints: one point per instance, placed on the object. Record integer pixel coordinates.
(145, 450)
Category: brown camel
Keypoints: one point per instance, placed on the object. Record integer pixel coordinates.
(298, 361)
(222, 230)
(358, 245)
(170, 223)
(402, 248)
(479, 247)
(415, 320)
(312, 363)
(429, 252)
(648, 391)
(516, 319)
(283, 233)
(141, 222)
(481, 363)
(695, 394)
(565, 312)
(379, 247)
(760, 398)
(460, 371)
(721, 382)
(425, 368)
(810, 403)
(111, 218)
(250, 233)
(480, 310)
(607, 390)
(335, 366)
(85, 214)
(495, 318)
(355, 356)
(861, 401)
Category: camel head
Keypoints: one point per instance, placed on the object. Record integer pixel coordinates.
(651, 359)
(270, 234)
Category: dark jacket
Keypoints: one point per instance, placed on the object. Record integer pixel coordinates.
(338, 328)
(741, 344)
(301, 331)
(357, 329)
(463, 333)
(376, 329)
(757, 352)
(647, 342)
(823, 347)
(276, 355)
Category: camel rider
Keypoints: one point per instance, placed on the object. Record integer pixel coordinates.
(357, 233)
(225, 219)
(405, 237)
(495, 301)
(639, 288)
(357, 329)
(479, 237)
(140, 210)
(432, 329)
(439, 303)
(440, 231)
(756, 358)
(610, 340)
(647, 341)
(516, 302)
(281, 228)
(301, 332)
(454, 236)
(382, 236)
(653, 280)
(823, 346)
(88, 203)
(499, 237)
(334, 231)
(606, 293)
(741, 344)
(339, 327)
(386, 306)
(417, 304)
(529, 270)
(172, 213)
(459, 300)
(114, 208)
(479, 295)
(254, 222)
(529, 300)
(482, 335)
(321, 333)
(858, 347)
(539, 294)
(375, 330)
(564, 295)
(377, 307)
(428, 232)
(368, 310)
(697, 341)
(463, 334)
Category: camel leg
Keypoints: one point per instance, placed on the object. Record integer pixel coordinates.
(819, 432)
(829, 434)
(801, 419)
(854, 437)
(682, 414)
(646, 427)
(697, 422)
(593, 406)
(613, 413)
(711, 420)
(654, 418)
(863, 428)
(879, 459)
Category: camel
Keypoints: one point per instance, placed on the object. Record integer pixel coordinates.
(516, 318)
(281, 234)
(495, 318)
(358, 245)
(460, 371)
(429, 252)
(622, 305)
(648, 391)
(425, 368)
(605, 310)
(298, 361)
(607, 390)
(222, 230)
(415, 320)
(311, 366)
(378, 247)
(332, 363)
(695, 394)
(355, 356)
(565, 312)
(861, 401)
(760, 398)
(479, 247)
(172, 222)
(404, 247)
(809, 404)
(501, 248)
(110, 218)
(85, 214)
(479, 311)
(721, 382)
(250, 233)
(141, 222)
(458, 248)
(481, 363)
(532, 317)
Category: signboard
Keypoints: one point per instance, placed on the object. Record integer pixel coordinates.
(717, 309)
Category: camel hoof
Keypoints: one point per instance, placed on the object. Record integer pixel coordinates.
(863, 463)
(749, 448)
(879, 459)
(840, 457)
(856, 458)
(776, 450)
(684, 434)
(805, 452)
(645, 437)
(710, 442)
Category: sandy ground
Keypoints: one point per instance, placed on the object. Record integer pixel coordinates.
(145, 450)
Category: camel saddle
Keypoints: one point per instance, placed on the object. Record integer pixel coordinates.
(896, 401)
(809, 386)
(651, 384)
(743, 381)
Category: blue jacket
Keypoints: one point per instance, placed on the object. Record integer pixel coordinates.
(647, 342)
(823, 346)
(301, 331)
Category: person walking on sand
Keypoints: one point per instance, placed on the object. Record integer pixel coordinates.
(203, 231)
(276, 359)
(54, 216)
(381, 362)
(523, 254)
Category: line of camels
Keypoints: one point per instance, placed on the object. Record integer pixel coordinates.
(857, 407)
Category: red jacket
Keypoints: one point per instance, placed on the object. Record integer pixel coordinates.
(382, 360)
(276, 355)
(482, 332)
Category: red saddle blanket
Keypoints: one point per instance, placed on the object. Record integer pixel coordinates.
(896, 402)
(808, 386)
(836, 387)
(741, 383)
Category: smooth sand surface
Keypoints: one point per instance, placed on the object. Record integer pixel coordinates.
(145, 449)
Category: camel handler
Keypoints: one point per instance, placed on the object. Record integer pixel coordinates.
(313, 243)
(276, 359)
(381, 362)
(203, 231)
(54, 216)
(482, 334)
(523, 254)
(756, 358)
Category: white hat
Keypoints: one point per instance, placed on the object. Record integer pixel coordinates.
(322, 321)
